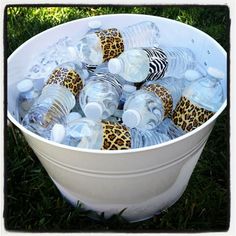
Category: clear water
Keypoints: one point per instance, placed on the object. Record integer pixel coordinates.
(147, 138)
(148, 106)
(84, 133)
(89, 50)
(50, 108)
(135, 65)
(179, 59)
(25, 102)
(143, 34)
(103, 89)
(206, 92)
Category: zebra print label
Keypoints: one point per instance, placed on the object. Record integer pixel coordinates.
(158, 63)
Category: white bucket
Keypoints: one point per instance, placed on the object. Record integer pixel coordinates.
(145, 180)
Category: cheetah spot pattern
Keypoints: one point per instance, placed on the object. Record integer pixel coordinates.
(67, 78)
(115, 136)
(111, 42)
(164, 95)
(189, 116)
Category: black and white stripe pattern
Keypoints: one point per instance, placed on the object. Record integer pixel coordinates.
(158, 63)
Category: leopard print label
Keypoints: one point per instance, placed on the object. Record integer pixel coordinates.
(68, 78)
(115, 136)
(164, 95)
(111, 42)
(189, 116)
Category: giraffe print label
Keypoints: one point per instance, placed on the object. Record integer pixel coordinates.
(111, 42)
(68, 78)
(189, 116)
(115, 136)
(164, 95)
(158, 63)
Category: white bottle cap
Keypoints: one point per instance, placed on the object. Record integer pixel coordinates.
(25, 85)
(73, 116)
(58, 133)
(94, 24)
(129, 88)
(93, 110)
(192, 75)
(131, 118)
(214, 72)
(114, 66)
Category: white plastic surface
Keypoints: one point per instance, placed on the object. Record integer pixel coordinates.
(131, 118)
(144, 180)
(93, 110)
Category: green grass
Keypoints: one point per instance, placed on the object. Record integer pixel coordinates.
(32, 202)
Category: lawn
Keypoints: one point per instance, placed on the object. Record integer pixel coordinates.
(32, 202)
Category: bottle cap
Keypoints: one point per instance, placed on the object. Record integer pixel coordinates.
(25, 85)
(58, 133)
(192, 75)
(131, 118)
(214, 72)
(94, 24)
(73, 116)
(114, 66)
(129, 88)
(93, 110)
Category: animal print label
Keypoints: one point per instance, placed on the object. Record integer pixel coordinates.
(111, 42)
(68, 78)
(189, 116)
(115, 136)
(164, 95)
(158, 63)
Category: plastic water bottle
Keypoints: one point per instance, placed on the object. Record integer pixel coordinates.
(100, 97)
(140, 64)
(200, 101)
(168, 128)
(94, 25)
(86, 133)
(147, 107)
(56, 100)
(127, 90)
(100, 46)
(26, 98)
(190, 76)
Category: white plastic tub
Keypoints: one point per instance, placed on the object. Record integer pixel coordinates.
(145, 180)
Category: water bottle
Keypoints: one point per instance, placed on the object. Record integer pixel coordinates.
(94, 26)
(105, 135)
(27, 96)
(200, 101)
(147, 107)
(56, 100)
(100, 97)
(147, 64)
(102, 45)
(127, 90)
(168, 128)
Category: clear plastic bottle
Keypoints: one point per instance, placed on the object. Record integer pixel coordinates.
(27, 96)
(140, 64)
(168, 128)
(100, 97)
(100, 46)
(127, 90)
(147, 107)
(86, 133)
(56, 100)
(199, 101)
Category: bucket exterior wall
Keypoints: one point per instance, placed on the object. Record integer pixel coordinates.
(144, 181)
